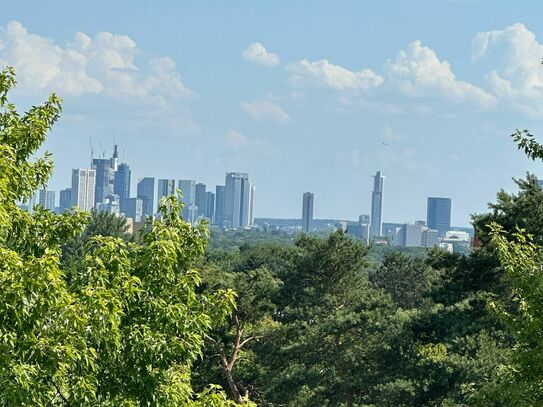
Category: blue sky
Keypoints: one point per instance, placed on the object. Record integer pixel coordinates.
(305, 95)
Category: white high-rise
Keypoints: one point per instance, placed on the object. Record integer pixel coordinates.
(236, 200)
(251, 204)
(377, 205)
(83, 185)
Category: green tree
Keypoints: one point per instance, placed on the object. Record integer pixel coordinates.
(126, 328)
(335, 327)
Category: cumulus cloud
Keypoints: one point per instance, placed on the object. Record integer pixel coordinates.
(322, 73)
(257, 54)
(514, 59)
(264, 110)
(417, 72)
(102, 64)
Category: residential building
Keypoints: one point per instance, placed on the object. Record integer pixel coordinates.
(307, 212)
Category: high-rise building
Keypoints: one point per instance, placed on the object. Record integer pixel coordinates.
(83, 186)
(65, 199)
(188, 188)
(104, 179)
(307, 212)
(134, 209)
(165, 188)
(252, 191)
(146, 192)
(47, 199)
(210, 206)
(377, 205)
(188, 191)
(236, 200)
(121, 185)
(219, 205)
(438, 215)
(200, 199)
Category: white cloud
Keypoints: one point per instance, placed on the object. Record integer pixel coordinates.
(514, 59)
(235, 140)
(264, 110)
(322, 73)
(103, 64)
(257, 54)
(417, 72)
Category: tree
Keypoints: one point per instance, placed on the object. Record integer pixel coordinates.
(335, 327)
(406, 279)
(126, 328)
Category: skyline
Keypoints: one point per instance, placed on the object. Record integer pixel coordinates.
(320, 107)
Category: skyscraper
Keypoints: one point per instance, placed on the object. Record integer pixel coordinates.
(188, 189)
(377, 205)
(200, 199)
(251, 204)
(104, 179)
(210, 206)
(307, 212)
(146, 192)
(121, 185)
(165, 188)
(438, 215)
(219, 205)
(47, 199)
(83, 185)
(236, 200)
(134, 209)
(65, 199)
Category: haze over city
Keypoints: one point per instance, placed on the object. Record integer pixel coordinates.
(192, 91)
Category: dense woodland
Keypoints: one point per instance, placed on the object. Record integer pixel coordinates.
(91, 315)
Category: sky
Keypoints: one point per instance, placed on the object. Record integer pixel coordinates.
(303, 95)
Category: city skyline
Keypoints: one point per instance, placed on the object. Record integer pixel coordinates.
(324, 106)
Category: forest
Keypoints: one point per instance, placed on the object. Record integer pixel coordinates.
(91, 315)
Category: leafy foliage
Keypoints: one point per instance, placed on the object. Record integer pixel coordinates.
(127, 325)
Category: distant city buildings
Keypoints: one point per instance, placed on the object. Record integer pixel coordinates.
(83, 186)
(106, 187)
(121, 185)
(219, 205)
(47, 199)
(377, 205)
(65, 199)
(236, 200)
(307, 212)
(165, 188)
(146, 192)
(439, 214)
